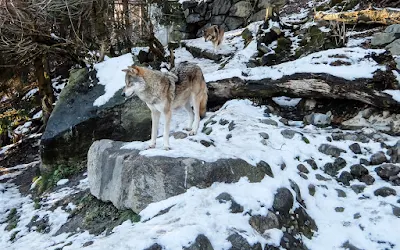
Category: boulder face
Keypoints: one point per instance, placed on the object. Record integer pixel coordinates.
(132, 181)
(75, 123)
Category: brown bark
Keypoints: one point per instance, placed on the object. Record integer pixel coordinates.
(369, 16)
(45, 87)
(300, 85)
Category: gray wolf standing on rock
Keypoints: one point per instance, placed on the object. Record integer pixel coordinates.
(215, 34)
(184, 87)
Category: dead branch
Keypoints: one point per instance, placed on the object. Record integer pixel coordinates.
(368, 16)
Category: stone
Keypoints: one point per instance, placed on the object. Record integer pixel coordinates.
(132, 181)
(264, 135)
(339, 209)
(355, 148)
(302, 169)
(223, 122)
(385, 171)
(221, 7)
(231, 126)
(296, 189)
(75, 122)
(283, 200)
(218, 20)
(380, 39)
(290, 242)
(233, 22)
(269, 122)
(247, 35)
(341, 193)
(365, 162)
(258, 16)
(266, 168)
(155, 246)
(311, 189)
(321, 178)
(239, 242)
(357, 216)
(330, 150)
(368, 179)
(378, 158)
(395, 153)
(288, 134)
(201, 243)
(358, 170)
(330, 169)
(241, 9)
(225, 197)
(194, 18)
(339, 163)
(396, 211)
(318, 119)
(201, 8)
(312, 163)
(191, 4)
(357, 188)
(394, 47)
(349, 246)
(385, 191)
(262, 223)
(179, 135)
(345, 178)
(394, 29)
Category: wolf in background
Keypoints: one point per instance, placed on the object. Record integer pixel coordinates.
(215, 34)
(184, 87)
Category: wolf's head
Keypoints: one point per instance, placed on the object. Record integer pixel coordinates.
(211, 33)
(134, 81)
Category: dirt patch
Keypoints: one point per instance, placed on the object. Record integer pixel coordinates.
(23, 152)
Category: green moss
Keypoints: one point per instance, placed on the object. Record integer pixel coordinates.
(49, 180)
(13, 236)
(12, 220)
(305, 139)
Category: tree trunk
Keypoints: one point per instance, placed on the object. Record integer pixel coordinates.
(45, 87)
(128, 25)
(384, 16)
(300, 85)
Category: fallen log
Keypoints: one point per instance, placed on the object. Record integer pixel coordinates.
(301, 85)
(369, 16)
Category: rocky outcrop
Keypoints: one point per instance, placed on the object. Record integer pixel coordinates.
(75, 122)
(391, 39)
(130, 180)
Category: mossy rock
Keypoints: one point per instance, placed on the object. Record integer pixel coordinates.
(313, 41)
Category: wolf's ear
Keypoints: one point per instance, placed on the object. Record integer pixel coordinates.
(137, 70)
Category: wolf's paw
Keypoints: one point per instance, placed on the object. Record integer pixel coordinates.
(151, 146)
(192, 132)
(187, 129)
(167, 148)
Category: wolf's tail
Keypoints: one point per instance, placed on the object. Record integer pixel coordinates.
(203, 101)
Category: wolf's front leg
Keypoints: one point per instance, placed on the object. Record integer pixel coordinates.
(189, 110)
(196, 109)
(155, 119)
(167, 115)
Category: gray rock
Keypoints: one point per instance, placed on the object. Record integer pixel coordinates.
(304, 176)
(394, 153)
(231, 126)
(179, 135)
(358, 170)
(330, 150)
(350, 137)
(339, 163)
(269, 122)
(365, 162)
(394, 29)
(132, 181)
(155, 246)
(357, 188)
(312, 163)
(234, 22)
(223, 122)
(311, 189)
(318, 119)
(288, 134)
(330, 169)
(290, 242)
(206, 143)
(349, 246)
(382, 39)
(357, 216)
(241, 9)
(339, 209)
(283, 200)
(194, 18)
(220, 7)
(258, 16)
(296, 189)
(394, 47)
(266, 168)
(191, 4)
(262, 223)
(240, 243)
(201, 243)
(218, 20)
(201, 8)
(397, 60)
(385, 171)
(341, 193)
(225, 197)
(75, 122)
(321, 178)
(345, 178)
(355, 148)
(396, 211)
(378, 158)
(368, 179)
(302, 169)
(264, 135)
(385, 191)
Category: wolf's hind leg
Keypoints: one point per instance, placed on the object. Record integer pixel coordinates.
(189, 110)
(196, 108)
(167, 115)
(155, 119)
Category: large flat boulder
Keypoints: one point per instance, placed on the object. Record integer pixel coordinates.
(130, 180)
(75, 122)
